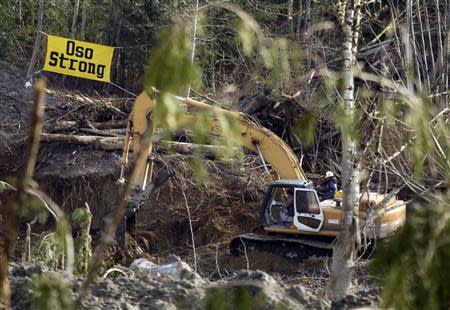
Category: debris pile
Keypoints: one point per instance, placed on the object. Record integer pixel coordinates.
(137, 290)
(133, 289)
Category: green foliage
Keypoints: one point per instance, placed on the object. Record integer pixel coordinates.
(49, 250)
(9, 36)
(239, 297)
(391, 111)
(304, 127)
(285, 60)
(82, 218)
(279, 57)
(250, 42)
(131, 25)
(171, 71)
(246, 36)
(413, 266)
(50, 291)
(19, 22)
(196, 164)
(83, 251)
(32, 205)
(230, 136)
(419, 119)
(50, 246)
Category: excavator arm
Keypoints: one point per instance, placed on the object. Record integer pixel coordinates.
(271, 148)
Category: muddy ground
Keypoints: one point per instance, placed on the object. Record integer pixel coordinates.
(221, 208)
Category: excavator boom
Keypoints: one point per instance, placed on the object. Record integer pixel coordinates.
(254, 137)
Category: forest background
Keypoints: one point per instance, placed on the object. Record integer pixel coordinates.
(401, 91)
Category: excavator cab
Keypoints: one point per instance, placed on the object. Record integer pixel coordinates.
(293, 220)
(292, 204)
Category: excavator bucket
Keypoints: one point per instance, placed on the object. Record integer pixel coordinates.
(135, 201)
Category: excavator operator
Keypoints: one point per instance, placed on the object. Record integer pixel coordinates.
(328, 187)
(287, 213)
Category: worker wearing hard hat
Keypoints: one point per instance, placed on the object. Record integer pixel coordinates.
(328, 187)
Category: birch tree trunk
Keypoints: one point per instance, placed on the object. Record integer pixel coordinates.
(194, 41)
(343, 254)
(307, 29)
(38, 38)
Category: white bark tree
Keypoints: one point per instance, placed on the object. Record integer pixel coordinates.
(194, 41)
(344, 251)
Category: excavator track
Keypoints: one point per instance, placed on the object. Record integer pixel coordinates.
(296, 248)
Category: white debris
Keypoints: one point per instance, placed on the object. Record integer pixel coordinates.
(173, 267)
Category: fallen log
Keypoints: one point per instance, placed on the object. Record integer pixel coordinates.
(63, 124)
(105, 143)
(116, 143)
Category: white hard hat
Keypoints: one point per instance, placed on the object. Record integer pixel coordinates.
(329, 174)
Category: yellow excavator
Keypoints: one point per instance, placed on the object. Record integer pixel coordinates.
(296, 223)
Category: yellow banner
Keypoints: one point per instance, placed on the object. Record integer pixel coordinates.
(78, 58)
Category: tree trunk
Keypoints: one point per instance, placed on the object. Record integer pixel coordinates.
(116, 143)
(194, 41)
(73, 29)
(38, 38)
(83, 19)
(343, 254)
(290, 16)
(309, 37)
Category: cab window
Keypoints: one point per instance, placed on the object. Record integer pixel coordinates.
(306, 202)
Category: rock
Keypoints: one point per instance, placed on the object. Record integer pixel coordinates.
(352, 301)
(13, 94)
(27, 269)
(159, 304)
(255, 287)
(127, 306)
(306, 297)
